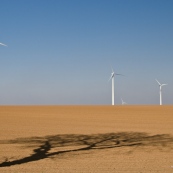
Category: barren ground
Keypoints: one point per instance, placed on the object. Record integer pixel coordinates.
(86, 139)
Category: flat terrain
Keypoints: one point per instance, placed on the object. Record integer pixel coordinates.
(86, 139)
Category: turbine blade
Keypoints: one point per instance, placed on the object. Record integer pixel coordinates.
(3, 44)
(110, 78)
(123, 102)
(158, 82)
(164, 84)
(119, 74)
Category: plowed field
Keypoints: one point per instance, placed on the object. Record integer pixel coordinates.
(86, 139)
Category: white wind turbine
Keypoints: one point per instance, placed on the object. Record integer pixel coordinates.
(112, 77)
(3, 44)
(160, 85)
(123, 103)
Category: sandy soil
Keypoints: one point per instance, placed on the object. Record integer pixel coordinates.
(86, 139)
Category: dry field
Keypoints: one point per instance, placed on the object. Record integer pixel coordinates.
(86, 139)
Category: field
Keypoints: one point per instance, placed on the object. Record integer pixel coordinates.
(86, 139)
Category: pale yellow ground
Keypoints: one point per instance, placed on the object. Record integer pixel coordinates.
(86, 139)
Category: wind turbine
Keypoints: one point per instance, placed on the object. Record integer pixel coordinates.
(3, 44)
(112, 77)
(160, 85)
(123, 103)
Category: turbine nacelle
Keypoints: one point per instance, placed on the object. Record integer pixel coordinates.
(112, 74)
(160, 84)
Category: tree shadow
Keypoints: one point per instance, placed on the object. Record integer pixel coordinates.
(52, 146)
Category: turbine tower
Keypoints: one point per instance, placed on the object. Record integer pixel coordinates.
(112, 77)
(3, 44)
(160, 86)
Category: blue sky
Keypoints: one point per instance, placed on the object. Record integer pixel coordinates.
(61, 51)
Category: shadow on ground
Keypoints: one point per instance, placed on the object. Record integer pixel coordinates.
(53, 146)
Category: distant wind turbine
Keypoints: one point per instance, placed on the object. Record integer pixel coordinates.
(123, 103)
(3, 44)
(160, 85)
(112, 77)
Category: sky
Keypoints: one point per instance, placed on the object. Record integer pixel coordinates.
(61, 52)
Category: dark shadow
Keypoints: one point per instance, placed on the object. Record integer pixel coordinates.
(62, 144)
(39, 153)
